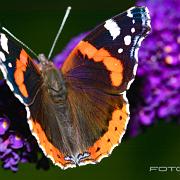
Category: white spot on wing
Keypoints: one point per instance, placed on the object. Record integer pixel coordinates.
(2, 56)
(127, 40)
(132, 30)
(68, 158)
(120, 50)
(129, 14)
(10, 65)
(4, 43)
(113, 28)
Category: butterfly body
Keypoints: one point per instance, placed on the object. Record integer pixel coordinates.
(79, 113)
(53, 81)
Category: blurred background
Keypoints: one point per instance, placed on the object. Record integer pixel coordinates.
(153, 137)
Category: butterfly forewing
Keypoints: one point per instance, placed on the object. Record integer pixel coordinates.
(106, 58)
(21, 73)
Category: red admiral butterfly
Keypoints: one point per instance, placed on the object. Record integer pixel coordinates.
(79, 113)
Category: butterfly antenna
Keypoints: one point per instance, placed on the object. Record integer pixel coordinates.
(29, 49)
(60, 30)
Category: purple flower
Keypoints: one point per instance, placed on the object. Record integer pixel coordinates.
(16, 141)
(10, 147)
(4, 125)
(3, 146)
(12, 161)
(17, 145)
(159, 67)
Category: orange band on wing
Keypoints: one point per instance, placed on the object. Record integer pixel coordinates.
(111, 138)
(19, 72)
(23, 90)
(112, 64)
(117, 79)
(23, 57)
(48, 148)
